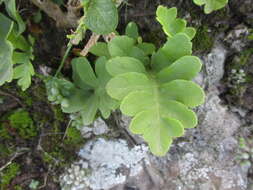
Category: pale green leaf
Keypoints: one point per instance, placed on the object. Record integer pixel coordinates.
(176, 26)
(183, 91)
(211, 5)
(23, 73)
(190, 32)
(19, 42)
(172, 25)
(101, 16)
(136, 102)
(165, 16)
(120, 46)
(100, 49)
(106, 103)
(89, 111)
(121, 85)
(138, 53)
(159, 60)
(93, 87)
(177, 46)
(6, 50)
(186, 68)
(76, 100)
(12, 11)
(178, 111)
(157, 131)
(132, 30)
(120, 65)
(147, 48)
(83, 74)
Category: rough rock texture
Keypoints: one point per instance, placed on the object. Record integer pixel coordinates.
(104, 164)
(99, 127)
(204, 159)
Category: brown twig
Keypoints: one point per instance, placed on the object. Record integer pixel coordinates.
(92, 41)
(65, 20)
(16, 154)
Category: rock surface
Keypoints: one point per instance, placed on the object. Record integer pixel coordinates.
(204, 159)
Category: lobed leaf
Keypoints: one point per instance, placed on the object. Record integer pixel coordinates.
(147, 48)
(93, 86)
(172, 25)
(156, 130)
(186, 67)
(175, 48)
(101, 16)
(100, 49)
(121, 85)
(120, 46)
(186, 92)
(12, 11)
(211, 5)
(120, 65)
(83, 74)
(132, 30)
(6, 50)
(24, 72)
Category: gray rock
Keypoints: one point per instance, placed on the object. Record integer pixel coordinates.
(204, 159)
(109, 163)
(214, 64)
(99, 127)
(237, 38)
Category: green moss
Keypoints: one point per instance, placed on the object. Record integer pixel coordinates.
(9, 173)
(4, 133)
(18, 187)
(22, 122)
(5, 150)
(245, 55)
(73, 136)
(27, 98)
(203, 41)
(58, 115)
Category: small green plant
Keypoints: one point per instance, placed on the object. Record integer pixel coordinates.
(9, 173)
(22, 122)
(157, 93)
(245, 152)
(16, 53)
(152, 86)
(211, 5)
(87, 94)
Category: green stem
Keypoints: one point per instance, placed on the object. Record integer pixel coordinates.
(79, 30)
(69, 46)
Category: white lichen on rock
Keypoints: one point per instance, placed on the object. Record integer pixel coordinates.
(214, 64)
(108, 163)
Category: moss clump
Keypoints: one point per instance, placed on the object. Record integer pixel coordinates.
(245, 55)
(203, 41)
(9, 173)
(22, 122)
(27, 98)
(73, 136)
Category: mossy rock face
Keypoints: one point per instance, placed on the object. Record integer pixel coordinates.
(203, 41)
(23, 123)
(19, 123)
(9, 173)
